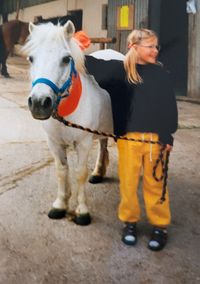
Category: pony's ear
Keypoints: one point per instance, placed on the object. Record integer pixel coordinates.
(31, 27)
(69, 29)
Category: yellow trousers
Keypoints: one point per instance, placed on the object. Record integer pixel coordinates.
(133, 156)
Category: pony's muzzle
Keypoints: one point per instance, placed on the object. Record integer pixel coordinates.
(40, 107)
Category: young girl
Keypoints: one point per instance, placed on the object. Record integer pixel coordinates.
(152, 116)
(144, 108)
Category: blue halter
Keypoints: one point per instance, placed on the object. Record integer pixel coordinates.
(53, 86)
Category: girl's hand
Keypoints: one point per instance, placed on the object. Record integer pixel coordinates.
(169, 147)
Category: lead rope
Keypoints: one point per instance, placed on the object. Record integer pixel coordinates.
(160, 159)
(164, 174)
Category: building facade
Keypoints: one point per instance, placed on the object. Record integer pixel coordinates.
(177, 27)
(87, 13)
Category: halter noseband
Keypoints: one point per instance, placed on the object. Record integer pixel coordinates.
(53, 86)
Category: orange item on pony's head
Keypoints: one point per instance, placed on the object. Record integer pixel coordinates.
(82, 39)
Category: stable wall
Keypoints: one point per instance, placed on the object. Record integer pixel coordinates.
(92, 15)
(194, 54)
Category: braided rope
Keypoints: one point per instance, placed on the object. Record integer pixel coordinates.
(165, 177)
(160, 159)
(101, 133)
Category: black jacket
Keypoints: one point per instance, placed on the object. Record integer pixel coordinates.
(146, 107)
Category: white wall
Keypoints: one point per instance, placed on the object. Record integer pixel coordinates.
(92, 15)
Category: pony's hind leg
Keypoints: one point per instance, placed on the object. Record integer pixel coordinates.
(4, 71)
(101, 162)
(60, 205)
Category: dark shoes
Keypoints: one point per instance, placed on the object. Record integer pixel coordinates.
(129, 235)
(158, 239)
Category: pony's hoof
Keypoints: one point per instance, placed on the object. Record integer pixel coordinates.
(95, 179)
(6, 75)
(83, 220)
(57, 213)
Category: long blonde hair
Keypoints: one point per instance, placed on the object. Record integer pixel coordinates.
(135, 37)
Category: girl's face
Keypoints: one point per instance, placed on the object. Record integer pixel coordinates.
(147, 50)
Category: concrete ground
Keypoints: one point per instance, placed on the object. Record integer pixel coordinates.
(35, 249)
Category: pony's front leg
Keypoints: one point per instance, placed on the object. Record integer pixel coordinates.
(82, 212)
(101, 162)
(60, 205)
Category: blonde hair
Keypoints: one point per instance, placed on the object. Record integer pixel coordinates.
(135, 37)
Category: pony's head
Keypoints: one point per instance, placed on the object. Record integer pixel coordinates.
(55, 57)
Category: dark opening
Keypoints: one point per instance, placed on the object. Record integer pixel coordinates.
(170, 20)
(5, 18)
(75, 16)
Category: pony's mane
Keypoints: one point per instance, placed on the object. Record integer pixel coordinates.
(48, 33)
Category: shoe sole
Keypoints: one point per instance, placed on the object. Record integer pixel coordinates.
(156, 248)
(129, 243)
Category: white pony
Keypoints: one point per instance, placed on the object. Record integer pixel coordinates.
(55, 59)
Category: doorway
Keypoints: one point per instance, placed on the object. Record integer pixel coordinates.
(75, 16)
(170, 20)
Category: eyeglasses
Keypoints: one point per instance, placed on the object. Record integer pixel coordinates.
(151, 46)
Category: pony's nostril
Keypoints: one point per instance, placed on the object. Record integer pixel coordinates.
(30, 102)
(47, 103)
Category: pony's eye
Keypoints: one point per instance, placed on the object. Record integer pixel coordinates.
(66, 59)
(30, 58)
